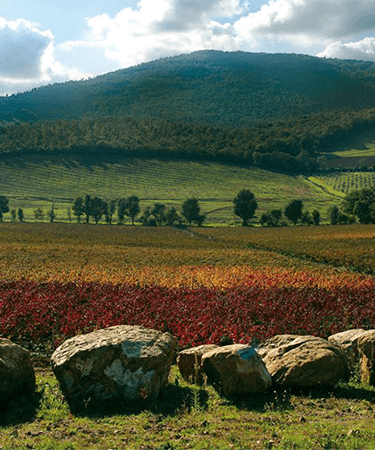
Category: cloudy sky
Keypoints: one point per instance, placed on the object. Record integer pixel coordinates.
(44, 42)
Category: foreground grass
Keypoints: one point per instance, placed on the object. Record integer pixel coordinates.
(186, 416)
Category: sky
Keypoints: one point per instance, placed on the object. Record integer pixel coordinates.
(44, 42)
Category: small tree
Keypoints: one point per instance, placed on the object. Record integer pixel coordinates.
(316, 217)
(361, 203)
(121, 210)
(337, 217)
(133, 207)
(78, 208)
(51, 213)
(293, 211)
(245, 206)
(158, 211)
(110, 210)
(272, 219)
(363, 211)
(173, 217)
(148, 219)
(265, 219)
(39, 214)
(20, 214)
(333, 215)
(192, 211)
(97, 208)
(13, 216)
(87, 208)
(306, 218)
(4, 208)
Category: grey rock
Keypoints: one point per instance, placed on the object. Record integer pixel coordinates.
(16, 371)
(303, 361)
(348, 342)
(236, 369)
(189, 362)
(117, 363)
(366, 350)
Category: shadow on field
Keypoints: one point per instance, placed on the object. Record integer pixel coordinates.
(279, 398)
(172, 400)
(20, 410)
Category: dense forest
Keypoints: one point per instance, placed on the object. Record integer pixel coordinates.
(287, 146)
(277, 111)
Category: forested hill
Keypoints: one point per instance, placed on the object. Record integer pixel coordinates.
(206, 87)
(275, 111)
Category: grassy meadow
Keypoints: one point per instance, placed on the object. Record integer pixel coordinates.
(354, 157)
(35, 182)
(367, 152)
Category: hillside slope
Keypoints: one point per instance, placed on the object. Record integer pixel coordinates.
(206, 87)
(34, 182)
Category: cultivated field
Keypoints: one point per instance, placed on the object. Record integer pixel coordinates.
(340, 184)
(200, 284)
(38, 182)
(207, 266)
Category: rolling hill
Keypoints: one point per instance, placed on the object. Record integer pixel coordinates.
(206, 87)
(172, 128)
(274, 111)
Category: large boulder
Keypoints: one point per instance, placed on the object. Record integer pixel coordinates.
(236, 369)
(303, 361)
(366, 350)
(122, 362)
(348, 342)
(16, 371)
(189, 362)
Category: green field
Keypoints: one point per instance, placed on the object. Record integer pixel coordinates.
(38, 182)
(353, 158)
(342, 183)
(369, 151)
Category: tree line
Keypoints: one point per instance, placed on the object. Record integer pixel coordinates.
(358, 206)
(290, 146)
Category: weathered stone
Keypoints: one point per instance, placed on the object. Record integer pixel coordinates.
(303, 361)
(189, 362)
(366, 349)
(16, 371)
(236, 369)
(275, 342)
(122, 362)
(348, 342)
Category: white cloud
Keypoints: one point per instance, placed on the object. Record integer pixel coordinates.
(183, 15)
(27, 57)
(308, 21)
(159, 28)
(362, 50)
(22, 47)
